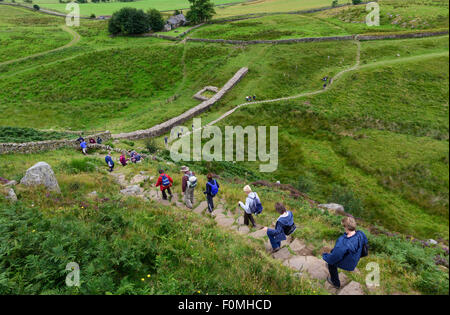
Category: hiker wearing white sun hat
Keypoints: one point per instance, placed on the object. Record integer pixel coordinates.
(251, 206)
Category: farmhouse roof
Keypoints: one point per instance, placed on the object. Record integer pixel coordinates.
(177, 19)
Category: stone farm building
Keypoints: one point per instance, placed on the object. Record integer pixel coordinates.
(174, 22)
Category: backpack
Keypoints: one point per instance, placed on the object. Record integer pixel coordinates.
(289, 229)
(165, 180)
(192, 181)
(214, 188)
(256, 206)
(365, 250)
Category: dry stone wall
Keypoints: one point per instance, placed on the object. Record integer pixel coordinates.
(32, 147)
(165, 127)
(320, 39)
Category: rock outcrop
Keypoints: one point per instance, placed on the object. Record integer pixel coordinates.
(41, 174)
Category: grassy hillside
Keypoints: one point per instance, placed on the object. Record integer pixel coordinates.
(365, 139)
(130, 246)
(22, 33)
(376, 142)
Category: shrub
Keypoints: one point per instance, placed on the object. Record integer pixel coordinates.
(304, 184)
(356, 1)
(84, 165)
(128, 21)
(128, 142)
(92, 16)
(151, 146)
(155, 20)
(334, 3)
(347, 198)
(36, 7)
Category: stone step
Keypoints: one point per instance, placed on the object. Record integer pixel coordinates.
(243, 229)
(258, 234)
(201, 207)
(224, 221)
(283, 254)
(314, 266)
(353, 288)
(300, 248)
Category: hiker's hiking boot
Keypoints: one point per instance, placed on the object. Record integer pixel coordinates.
(331, 282)
(275, 250)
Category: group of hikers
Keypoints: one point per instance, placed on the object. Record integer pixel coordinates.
(348, 250)
(250, 98)
(188, 185)
(83, 144)
(349, 247)
(327, 81)
(134, 158)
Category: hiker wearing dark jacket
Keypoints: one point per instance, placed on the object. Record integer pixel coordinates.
(164, 182)
(284, 222)
(347, 251)
(109, 161)
(212, 187)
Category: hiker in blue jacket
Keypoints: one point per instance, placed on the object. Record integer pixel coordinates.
(212, 188)
(347, 251)
(285, 225)
(109, 161)
(83, 146)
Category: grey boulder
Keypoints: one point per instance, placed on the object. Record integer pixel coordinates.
(41, 174)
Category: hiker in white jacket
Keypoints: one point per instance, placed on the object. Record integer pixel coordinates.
(247, 211)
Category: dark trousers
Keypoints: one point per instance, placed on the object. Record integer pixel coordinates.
(249, 217)
(210, 200)
(334, 274)
(275, 244)
(164, 193)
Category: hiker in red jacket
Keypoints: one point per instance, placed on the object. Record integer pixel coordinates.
(164, 182)
(123, 160)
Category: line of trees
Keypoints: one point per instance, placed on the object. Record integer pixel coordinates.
(131, 21)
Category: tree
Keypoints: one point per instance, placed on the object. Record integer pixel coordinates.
(200, 11)
(128, 21)
(356, 1)
(36, 7)
(155, 20)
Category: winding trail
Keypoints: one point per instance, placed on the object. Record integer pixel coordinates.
(75, 39)
(356, 66)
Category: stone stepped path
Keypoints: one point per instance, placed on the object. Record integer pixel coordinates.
(294, 252)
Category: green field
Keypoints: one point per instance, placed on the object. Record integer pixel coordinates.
(376, 141)
(108, 8)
